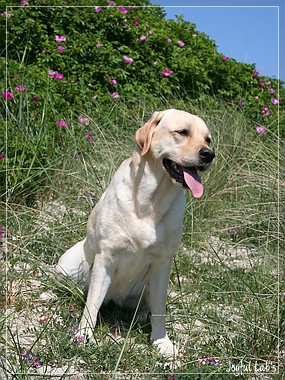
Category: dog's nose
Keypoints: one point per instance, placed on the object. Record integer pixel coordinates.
(207, 154)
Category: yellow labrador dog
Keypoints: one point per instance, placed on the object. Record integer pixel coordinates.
(135, 228)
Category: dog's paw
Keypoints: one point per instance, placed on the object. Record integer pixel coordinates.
(165, 347)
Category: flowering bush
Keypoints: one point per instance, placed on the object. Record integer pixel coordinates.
(84, 49)
(62, 61)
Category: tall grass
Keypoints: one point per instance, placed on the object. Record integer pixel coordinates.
(223, 304)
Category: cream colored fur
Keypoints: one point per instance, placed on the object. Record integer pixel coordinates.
(135, 228)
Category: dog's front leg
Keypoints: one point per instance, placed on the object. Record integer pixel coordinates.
(158, 283)
(101, 278)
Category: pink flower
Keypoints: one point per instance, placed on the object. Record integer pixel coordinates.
(128, 59)
(1, 158)
(36, 99)
(111, 3)
(97, 9)
(271, 90)
(155, 62)
(274, 102)
(166, 72)
(36, 362)
(261, 84)
(150, 31)
(24, 3)
(265, 111)
(98, 46)
(255, 74)
(260, 129)
(136, 22)
(60, 38)
(61, 123)
(79, 339)
(58, 76)
(172, 377)
(181, 43)
(257, 99)
(224, 58)
(2, 228)
(115, 95)
(29, 358)
(89, 137)
(21, 88)
(6, 14)
(95, 96)
(112, 81)
(169, 40)
(61, 48)
(8, 95)
(143, 37)
(55, 75)
(123, 10)
(83, 120)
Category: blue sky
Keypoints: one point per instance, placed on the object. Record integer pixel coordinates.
(250, 31)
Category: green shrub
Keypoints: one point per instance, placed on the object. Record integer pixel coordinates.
(97, 41)
(168, 58)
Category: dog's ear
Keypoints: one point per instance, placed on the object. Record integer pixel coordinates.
(145, 133)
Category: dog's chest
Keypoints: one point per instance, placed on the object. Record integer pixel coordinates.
(132, 273)
(148, 245)
(146, 236)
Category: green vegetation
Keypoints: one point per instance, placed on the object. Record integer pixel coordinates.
(62, 61)
(225, 305)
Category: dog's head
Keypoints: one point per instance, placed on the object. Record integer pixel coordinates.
(181, 142)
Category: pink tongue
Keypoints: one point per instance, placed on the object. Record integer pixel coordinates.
(193, 181)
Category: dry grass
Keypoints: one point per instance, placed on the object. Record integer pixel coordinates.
(223, 294)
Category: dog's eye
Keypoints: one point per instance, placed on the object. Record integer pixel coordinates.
(183, 132)
(208, 140)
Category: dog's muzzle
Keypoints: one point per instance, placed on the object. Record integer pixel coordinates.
(187, 176)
